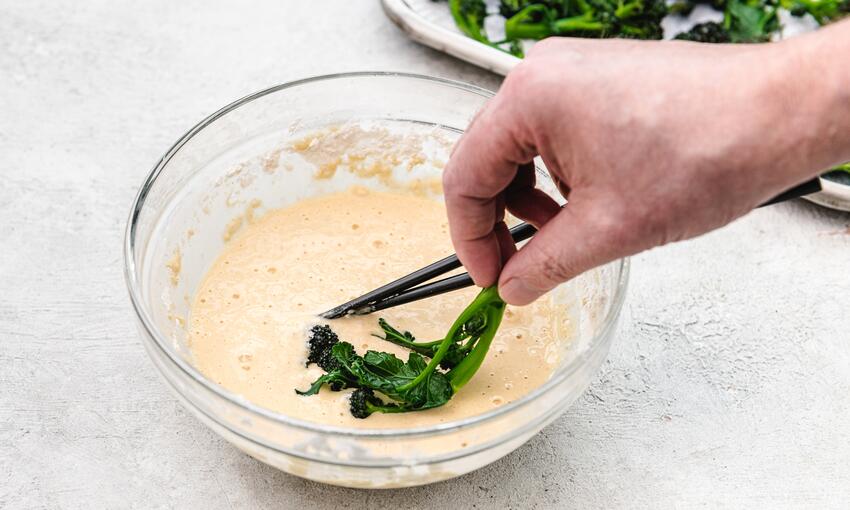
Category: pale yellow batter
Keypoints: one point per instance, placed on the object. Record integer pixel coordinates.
(250, 317)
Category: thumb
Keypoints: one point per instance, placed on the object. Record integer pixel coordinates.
(580, 237)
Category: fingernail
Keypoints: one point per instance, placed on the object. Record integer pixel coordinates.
(516, 292)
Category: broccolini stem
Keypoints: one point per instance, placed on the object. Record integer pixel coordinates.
(482, 303)
(629, 30)
(522, 26)
(626, 10)
(583, 6)
(467, 19)
(395, 336)
(387, 409)
(581, 23)
(534, 31)
(463, 372)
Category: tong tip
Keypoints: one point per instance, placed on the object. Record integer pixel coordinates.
(334, 313)
(342, 311)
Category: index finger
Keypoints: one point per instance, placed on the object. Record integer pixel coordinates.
(482, 166)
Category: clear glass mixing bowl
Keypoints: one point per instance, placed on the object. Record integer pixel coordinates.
(232, 158)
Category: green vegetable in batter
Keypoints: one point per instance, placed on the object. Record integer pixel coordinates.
(413, 385)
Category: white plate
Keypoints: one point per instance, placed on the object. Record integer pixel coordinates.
(835, 195)
(430, 23)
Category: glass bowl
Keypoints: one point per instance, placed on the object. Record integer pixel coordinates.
(229, 166)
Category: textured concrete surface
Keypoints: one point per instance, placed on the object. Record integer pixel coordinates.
(727, 387)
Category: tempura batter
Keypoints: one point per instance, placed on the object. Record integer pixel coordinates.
(250, 317)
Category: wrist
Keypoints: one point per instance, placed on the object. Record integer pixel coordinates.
(818, 97)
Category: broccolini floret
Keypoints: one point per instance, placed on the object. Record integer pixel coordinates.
(363, 403)
(709, 32)
(633, 19)
(320, 341)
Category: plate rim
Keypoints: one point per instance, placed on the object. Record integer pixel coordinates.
(441, 39)
(833, 195)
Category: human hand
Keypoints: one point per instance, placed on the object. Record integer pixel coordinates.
(651, 142)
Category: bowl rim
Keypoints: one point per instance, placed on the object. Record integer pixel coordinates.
(163, 344)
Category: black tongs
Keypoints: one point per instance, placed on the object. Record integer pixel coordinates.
(407, 288)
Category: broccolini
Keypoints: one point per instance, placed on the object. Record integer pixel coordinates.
(413, 385)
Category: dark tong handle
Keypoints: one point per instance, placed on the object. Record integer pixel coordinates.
(519, 233)
(404, 289)
(807, 188)
(456, 282)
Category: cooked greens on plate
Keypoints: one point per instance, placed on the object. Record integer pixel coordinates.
(742, 21)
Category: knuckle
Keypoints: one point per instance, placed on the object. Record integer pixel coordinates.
(526, 95)
(519, 79)
(541, 47)
(449, 178)
(613, 229)
(457, 175)
(537, 87)
(615, 220)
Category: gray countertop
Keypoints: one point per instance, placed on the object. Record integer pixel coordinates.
(728, 384)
